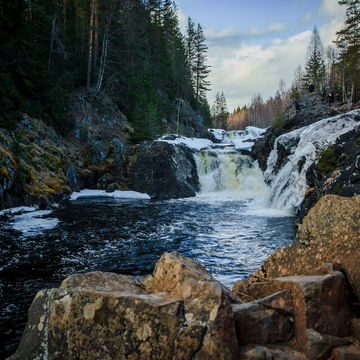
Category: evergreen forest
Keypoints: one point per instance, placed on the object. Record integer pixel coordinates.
(131, 51)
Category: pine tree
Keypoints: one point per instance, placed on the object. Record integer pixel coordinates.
(201, 69)
(315, 70)
(348, 40)
(190, 41)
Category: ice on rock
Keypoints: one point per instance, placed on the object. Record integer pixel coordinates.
(288, 186)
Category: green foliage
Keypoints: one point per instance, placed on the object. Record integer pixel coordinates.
(45, 53)
(326, 161)
(295, 93)
(279, 116)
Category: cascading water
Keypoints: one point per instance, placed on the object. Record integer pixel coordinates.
(229, 173)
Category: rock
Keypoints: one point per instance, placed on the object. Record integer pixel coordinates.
(282, 302)
(277, 352)
(71, 175)
(110, 316)
(257, 324)
(165, 171)
(110, 189)
(356, 327)
(319, 346)
(320, 303)
(344, 180)
(205, 300)
(347, 353)
(323, 237)
(118, 152)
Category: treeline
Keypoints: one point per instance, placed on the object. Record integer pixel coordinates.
(333, 69)
(130, 50)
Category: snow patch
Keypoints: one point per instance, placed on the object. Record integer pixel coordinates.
(241, 139)
(17, 209)
(218, 133)
(87, 194)
(192, 143)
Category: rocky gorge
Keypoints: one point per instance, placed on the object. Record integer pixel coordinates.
(302, 303)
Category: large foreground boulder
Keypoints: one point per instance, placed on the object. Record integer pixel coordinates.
(180, 312)
(165, 171)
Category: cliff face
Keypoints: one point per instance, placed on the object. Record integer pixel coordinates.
(40, 168)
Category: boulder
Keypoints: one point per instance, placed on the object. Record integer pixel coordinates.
(319, 346)
(109, 316)
(281, 301)
(165, 171)
(320, 303)
(330, 233)
(256, 324)
(205, 300)
(277, 352)
(347, 353)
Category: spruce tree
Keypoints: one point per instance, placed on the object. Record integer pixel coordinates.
(348, 39)
(315, 70)
(201, 69)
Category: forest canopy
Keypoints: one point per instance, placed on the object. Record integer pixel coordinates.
(130, 50)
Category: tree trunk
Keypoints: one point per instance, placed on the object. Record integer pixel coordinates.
(64, 14)
(96, 50)
(52, 41)
(90, 46)
(103, 56)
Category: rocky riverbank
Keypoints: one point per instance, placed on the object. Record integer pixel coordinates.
(41, 168)
(301, 304)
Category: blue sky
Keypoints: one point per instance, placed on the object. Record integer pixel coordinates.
(254, 44)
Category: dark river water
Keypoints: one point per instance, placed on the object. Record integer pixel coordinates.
(228, 237)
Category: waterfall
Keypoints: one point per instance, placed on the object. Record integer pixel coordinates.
(288, 185)
(229, 173)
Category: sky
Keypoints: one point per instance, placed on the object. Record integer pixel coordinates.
(254, 44)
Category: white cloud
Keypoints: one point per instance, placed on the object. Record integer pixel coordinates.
(229, 31)
(257, 69)
(329, 9)
(305, 18)
(269, 29)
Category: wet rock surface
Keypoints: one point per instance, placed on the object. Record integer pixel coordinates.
(165, 171)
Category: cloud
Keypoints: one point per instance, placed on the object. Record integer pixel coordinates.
(257, 69)
(275, 27)
(330, 9)
(227, 32)
(305, 18)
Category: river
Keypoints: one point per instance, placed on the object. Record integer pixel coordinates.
(128, 237)
(228, 228)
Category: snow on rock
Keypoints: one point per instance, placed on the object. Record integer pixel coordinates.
(288, 185)
(18, 209)
(241, 138)
(218, 133)
(192, 143)
(87, 194)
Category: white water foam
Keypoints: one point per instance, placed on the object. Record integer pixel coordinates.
(229, 175)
